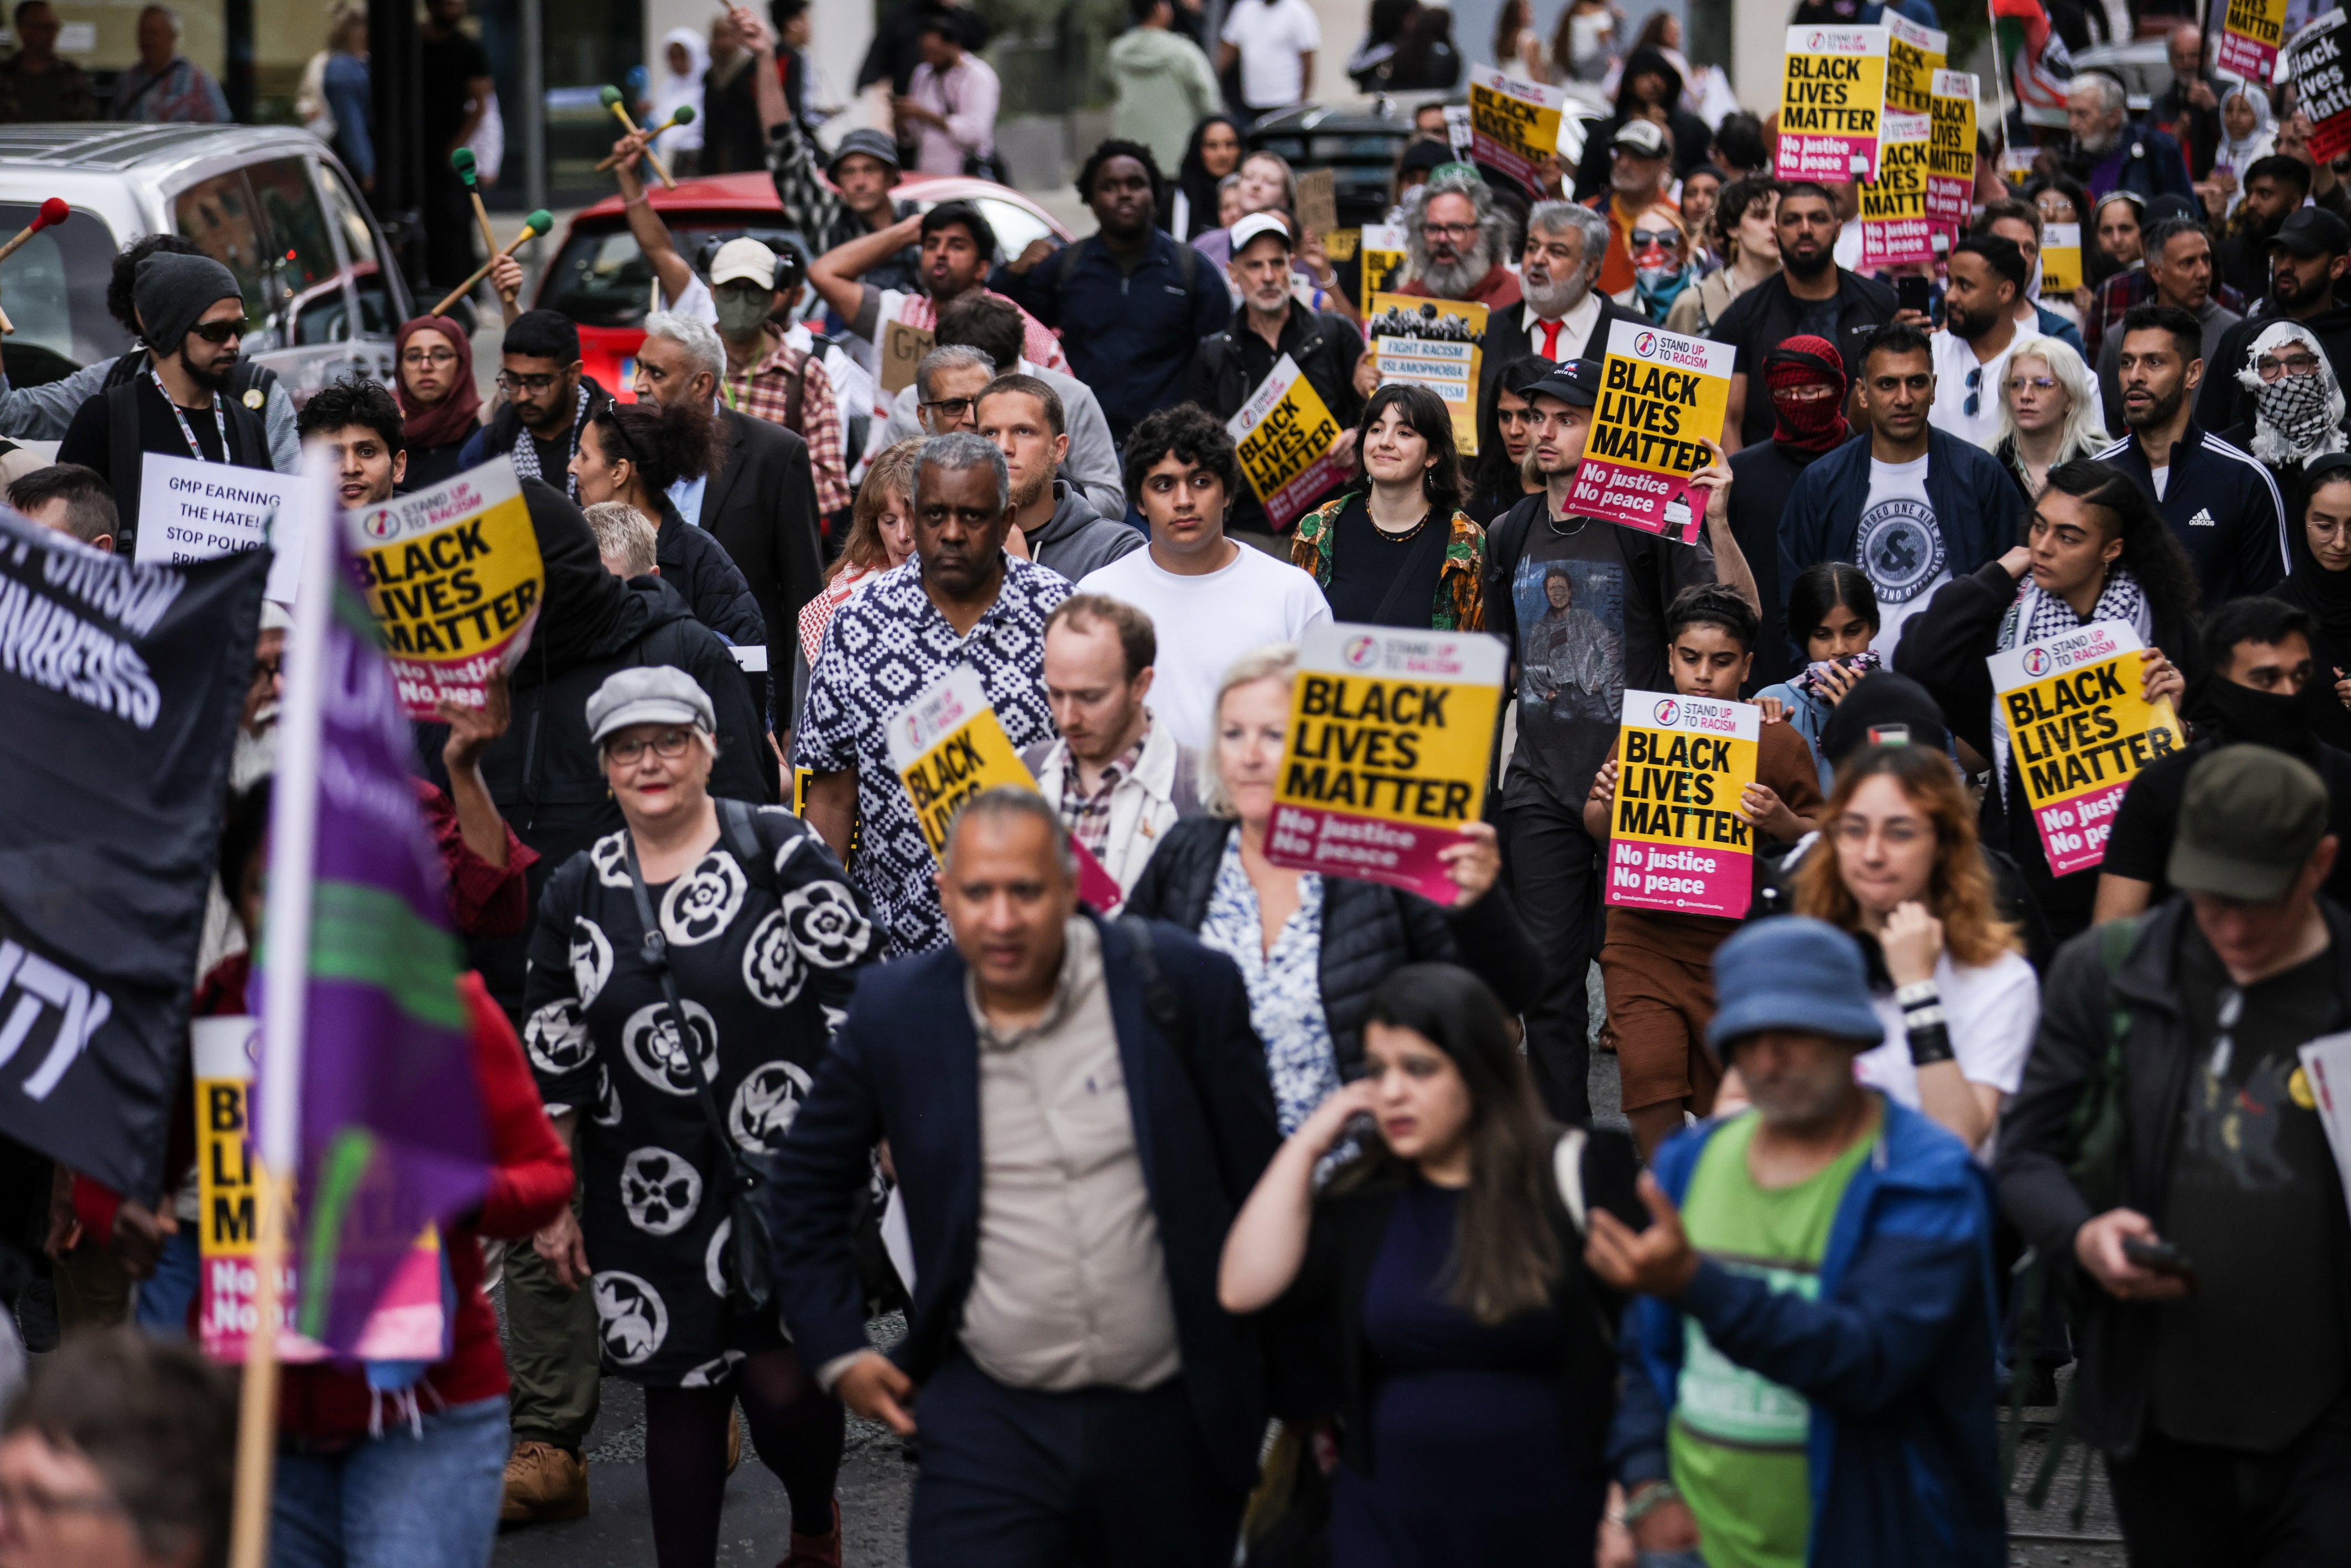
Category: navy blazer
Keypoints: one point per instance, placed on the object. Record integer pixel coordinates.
(904, 1066)
(1976, 506)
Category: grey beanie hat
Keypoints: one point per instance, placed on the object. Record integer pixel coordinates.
(172, 292)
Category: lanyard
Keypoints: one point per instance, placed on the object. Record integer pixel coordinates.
(219, 417)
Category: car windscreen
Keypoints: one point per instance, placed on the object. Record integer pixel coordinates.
(54, 290)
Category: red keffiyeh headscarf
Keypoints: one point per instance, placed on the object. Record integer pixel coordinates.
(454, 417)
(1812, 425)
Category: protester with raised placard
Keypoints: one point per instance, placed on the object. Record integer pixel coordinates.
(1333, 939)
(2097, 550)
(970, 604)
(1655, 965)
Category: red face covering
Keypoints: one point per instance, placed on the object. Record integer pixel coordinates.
(1816, 423)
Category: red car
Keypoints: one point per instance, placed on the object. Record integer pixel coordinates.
(602, 281)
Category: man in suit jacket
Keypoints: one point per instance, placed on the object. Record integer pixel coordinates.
(1563, 317)
(1069, 1164)
(759, 502)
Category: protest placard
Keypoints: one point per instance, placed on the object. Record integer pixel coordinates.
(902, 348)
(2078, 732)
(1391, 743)
(1437, 344)
(1513, 124)
(1832, 94)
(195, 511)
(2061, 258)
(947, 747)
(1913, 55)
(2252, 34)
(1317, 202)
(407, 1325)
(1676, 840)
(1660, 394)
(1340, 245)
(2016, 164)
(1951, 151)
(1384, 255)
(2322, 84)
(453, 580)
(1282, 436)
(1895, 226)
(2323, 1083)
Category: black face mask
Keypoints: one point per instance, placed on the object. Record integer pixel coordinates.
(2265, 718)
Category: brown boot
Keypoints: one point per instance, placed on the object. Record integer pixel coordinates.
(815, 1550)
(544, 1483)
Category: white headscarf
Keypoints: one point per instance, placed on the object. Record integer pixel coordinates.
(2295, 418)
(670, 89)
(2237, 156)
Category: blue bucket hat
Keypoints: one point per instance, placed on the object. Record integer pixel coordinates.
(1793, 973)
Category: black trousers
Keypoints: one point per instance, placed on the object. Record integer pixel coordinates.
(2186, 1505)
(1099, 1477)
(1555, 870)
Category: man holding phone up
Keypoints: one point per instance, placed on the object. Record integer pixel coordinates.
(2214, 1369)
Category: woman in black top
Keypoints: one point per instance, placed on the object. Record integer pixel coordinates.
(1506, 434)
(1396, 549)
(2320, 584)
(1188, 207)
(762, 938)
(1445, 1264)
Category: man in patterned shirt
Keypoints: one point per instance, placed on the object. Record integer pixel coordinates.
(961, 601)
(768, 378)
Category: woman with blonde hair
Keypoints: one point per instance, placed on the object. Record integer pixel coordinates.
(1312, 949)
(881, 536)
(2049, 414)
(1897, 865)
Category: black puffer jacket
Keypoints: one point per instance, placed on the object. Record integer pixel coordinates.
(1368, 931)
(698, 567)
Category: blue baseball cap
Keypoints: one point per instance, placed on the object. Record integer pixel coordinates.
(1792, 972)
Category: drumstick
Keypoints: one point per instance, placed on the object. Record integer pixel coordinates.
(53, 212)
(681, 115)
(537, 223)
(462, 160)
(610, 98)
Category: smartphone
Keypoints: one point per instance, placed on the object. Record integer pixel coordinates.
(2161, 1257)
(1912, 293)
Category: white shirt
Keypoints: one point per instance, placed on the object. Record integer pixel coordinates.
(1955, 363)
(967, 96)
(2161, 477)
(1899, 547)
(1574, 329)
(1206, 623)
(1270, 37)
(1989, 1012)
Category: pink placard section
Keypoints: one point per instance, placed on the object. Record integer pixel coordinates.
(1686, 880)
(1369, 849)
(2073, 832)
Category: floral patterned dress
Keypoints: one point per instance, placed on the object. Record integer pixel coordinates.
(1285, 985)
(764, 957)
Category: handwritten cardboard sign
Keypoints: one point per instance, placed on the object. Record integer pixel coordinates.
(1676, 840)
(453, 579)
(1660, 394)
(902, 348)
(1318, 202)
(1391, 742)
(2079, 731)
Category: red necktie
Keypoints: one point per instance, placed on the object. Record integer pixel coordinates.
(1551, 339)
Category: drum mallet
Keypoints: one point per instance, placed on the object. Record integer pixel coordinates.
(53, 212)
(609, 96)
(537, 223)
(681, 115)
(462, 160)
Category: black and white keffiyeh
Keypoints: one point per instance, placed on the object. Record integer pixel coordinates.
(524, 451)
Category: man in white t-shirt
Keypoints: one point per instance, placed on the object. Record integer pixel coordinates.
(1275, 41)
(1211, 600)
(1899, 542)
(1987, 277)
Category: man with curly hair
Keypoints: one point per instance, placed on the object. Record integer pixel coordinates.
(1459, 242)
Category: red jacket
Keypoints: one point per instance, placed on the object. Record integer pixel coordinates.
(531, 1181)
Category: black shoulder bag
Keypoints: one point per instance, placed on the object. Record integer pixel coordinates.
(750, 1250)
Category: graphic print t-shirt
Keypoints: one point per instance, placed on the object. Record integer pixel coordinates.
(1579, 607)
(1899, 547)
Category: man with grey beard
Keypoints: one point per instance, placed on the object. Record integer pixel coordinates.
(1561, 317)
(1458, 242)
(2109, 152)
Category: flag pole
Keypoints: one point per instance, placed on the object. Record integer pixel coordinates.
(293, 833)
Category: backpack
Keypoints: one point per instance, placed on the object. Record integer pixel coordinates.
(2094, 1162)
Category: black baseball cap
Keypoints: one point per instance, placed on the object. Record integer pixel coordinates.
(1426, 154)
(2313, 231)
(1576, 383)
(1884, 709)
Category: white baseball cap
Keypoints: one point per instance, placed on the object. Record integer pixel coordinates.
(1255, 224)
(741, 260)
(1642, 137)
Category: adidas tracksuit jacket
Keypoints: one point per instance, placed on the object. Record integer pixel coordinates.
(2224, 509)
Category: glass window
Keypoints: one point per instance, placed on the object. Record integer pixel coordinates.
(53, 289)
(301, 253)
(219, 214)
(1015, 225)
(323, 316)
(379, 315)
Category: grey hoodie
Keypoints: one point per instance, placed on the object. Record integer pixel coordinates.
(1077, 538)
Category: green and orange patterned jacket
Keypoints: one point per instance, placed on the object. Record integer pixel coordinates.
(1460, 603)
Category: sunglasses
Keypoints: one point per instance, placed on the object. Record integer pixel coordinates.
(1974, 405)
(1643, 238)
(218, 331)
